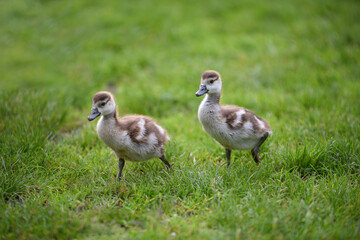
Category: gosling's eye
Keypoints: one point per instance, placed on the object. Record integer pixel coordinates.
(102, 104)
(211, 81)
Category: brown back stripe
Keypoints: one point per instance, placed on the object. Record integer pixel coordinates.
(130, 124)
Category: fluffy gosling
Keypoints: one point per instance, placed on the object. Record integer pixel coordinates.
(233, 127)
(134, 137)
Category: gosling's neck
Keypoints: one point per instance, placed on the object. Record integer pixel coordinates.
(110, 116)
(212, 98)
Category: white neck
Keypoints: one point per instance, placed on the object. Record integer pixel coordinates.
(212, 98)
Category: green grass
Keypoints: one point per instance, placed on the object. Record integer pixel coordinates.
(295, 63)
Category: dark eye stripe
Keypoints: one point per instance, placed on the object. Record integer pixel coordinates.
(213, 80)
(103, 103)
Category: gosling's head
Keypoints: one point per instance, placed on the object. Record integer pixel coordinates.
(103, 103)
(210, 83)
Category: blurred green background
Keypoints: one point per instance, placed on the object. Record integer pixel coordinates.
(294, 63)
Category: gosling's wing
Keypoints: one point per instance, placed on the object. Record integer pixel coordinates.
(144, 130)
(239, 118)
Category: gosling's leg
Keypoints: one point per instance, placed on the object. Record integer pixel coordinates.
(255, 150)
(228, 156)
(163, 158)
(121, 166)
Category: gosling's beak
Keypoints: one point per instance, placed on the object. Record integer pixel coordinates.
(94, 114)
(202, 90)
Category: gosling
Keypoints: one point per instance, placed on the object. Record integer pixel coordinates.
(233, 127)
(134, 137)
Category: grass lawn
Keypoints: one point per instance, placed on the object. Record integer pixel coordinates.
(294, 63)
